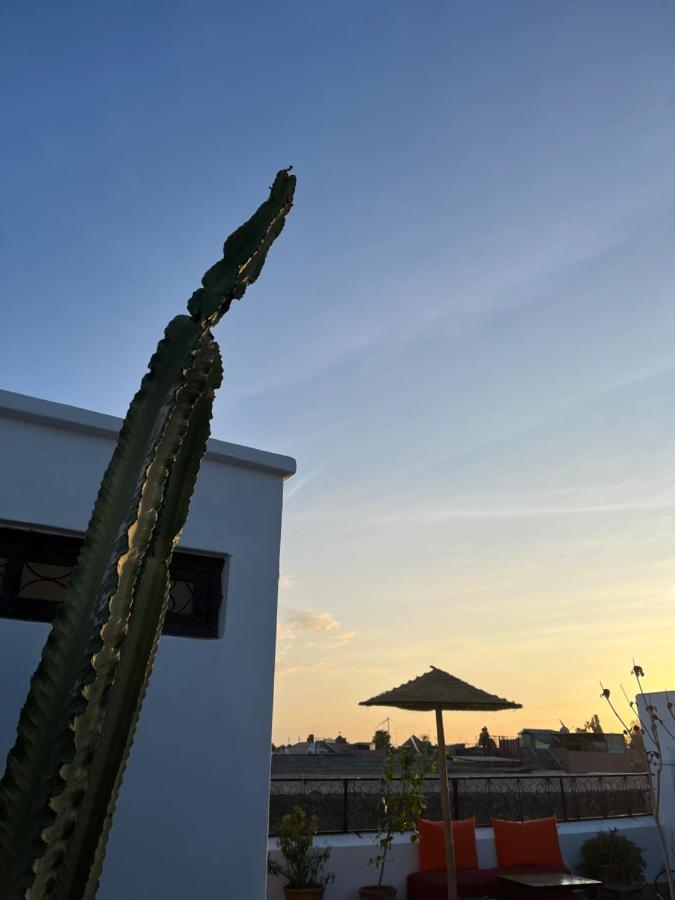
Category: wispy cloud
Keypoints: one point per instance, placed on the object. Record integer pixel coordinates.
(297, 484)
(431, 516)
(338, 640)
(286, 582)
(311, 620)
(285, 668)
(321, 624)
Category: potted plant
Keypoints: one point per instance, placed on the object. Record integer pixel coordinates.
(401, 802)
(304, 864)
(612, 858)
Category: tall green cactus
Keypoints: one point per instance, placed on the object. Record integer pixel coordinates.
(75, 731)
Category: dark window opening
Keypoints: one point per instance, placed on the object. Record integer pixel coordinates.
(35, 567)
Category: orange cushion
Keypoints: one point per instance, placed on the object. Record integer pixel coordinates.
(533, 843)
(432, 844)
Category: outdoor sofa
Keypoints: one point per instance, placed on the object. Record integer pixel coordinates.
(522, 847)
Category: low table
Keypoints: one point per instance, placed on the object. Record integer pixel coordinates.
(518, 886)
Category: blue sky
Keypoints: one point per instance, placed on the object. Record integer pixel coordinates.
(465, 335)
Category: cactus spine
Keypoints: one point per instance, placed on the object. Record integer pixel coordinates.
(58, 793)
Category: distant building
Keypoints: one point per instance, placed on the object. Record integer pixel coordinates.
(302, 748)
(577, 753)
(364, 747)
(539, 738)
(508, 747)
(326, 747)
(416, 744)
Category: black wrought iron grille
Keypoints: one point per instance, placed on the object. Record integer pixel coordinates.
(352, 804)
(35, 567)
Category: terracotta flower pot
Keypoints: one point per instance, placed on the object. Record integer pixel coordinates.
(309, 893)
(377, 892)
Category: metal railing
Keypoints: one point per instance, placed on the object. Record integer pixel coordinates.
(352, 804)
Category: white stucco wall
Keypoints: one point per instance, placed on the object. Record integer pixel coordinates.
(192, 815)
(664, 787)
(350, 854)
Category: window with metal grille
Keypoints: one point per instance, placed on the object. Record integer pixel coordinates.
(35, 567)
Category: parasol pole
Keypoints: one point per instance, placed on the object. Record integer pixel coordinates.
(445, 807)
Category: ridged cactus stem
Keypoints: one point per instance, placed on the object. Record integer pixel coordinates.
(75, 731)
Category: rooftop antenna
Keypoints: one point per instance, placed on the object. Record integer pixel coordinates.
(384, 722)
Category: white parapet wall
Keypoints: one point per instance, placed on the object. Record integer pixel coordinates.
(192, 815)
(663, 703)
(350, 854)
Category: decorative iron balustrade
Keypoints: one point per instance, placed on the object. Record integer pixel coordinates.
(351, 804)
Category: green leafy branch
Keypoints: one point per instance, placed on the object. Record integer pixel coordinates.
(402, 801)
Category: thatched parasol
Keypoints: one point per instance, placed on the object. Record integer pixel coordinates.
(438, 690)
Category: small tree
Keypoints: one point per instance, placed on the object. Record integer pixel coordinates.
(485, 741)
(402, 800)
(636, 739)
(427, 747)
(381, 740)
(613, 852)
(304, 864)
(593, 726)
